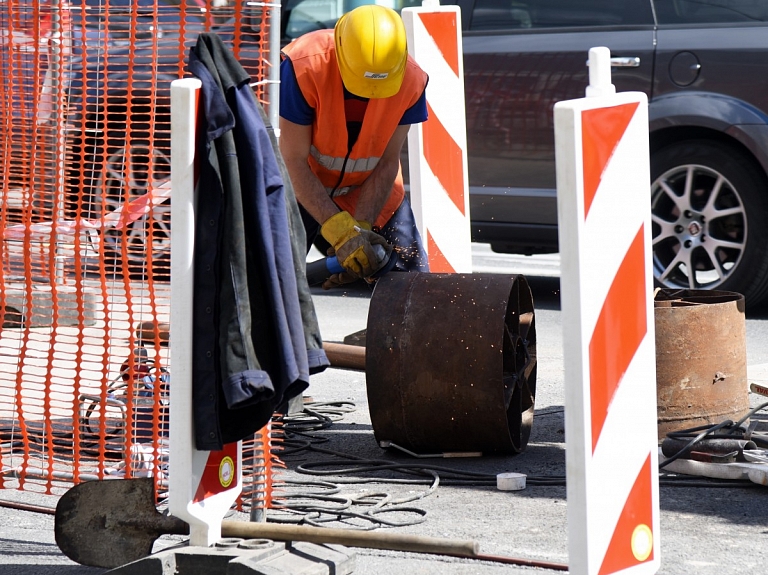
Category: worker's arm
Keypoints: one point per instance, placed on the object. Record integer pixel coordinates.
(353, 246)
(377, 187)
(295, 141)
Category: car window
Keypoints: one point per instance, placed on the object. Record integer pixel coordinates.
(711, 11)
(506, 14)
(302, 16)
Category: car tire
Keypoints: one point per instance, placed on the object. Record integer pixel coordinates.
(710, 219)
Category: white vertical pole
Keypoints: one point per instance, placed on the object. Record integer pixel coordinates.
(203, 485)
(603, 189)
(437, 148)
(273, 90)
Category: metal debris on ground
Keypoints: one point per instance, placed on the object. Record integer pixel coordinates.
(727, 450)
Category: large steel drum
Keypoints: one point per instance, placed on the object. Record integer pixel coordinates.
(451, 362)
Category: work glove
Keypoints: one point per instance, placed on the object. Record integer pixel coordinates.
(340, 279)
(361, 252)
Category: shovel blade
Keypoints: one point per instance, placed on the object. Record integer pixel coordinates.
(110, 523)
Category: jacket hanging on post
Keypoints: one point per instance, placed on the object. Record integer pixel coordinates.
(256, 338)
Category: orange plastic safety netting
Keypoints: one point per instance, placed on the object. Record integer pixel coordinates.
(85, 216)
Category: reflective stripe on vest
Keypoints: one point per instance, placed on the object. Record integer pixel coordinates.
(336, 163)
(340, 191)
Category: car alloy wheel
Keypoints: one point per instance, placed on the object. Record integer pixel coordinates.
(127, 174)
(700, 228)
(708, 212)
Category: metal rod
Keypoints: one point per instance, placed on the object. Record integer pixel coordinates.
(523, 562)
(28, 507)
(342, 355)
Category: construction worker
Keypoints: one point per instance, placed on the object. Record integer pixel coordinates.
(348, 97)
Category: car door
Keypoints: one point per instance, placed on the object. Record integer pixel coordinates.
(520, 58)
(713, 46)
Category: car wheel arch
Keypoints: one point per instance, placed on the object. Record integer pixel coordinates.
(705, 109)
(668, 136)
(704, 115)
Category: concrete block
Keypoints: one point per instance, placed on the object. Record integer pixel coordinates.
(284, 564)
(294, 405)
(339, 559)
(204, 560)
(250, 557)
(300, 558)
(162, 563)
(183, 561)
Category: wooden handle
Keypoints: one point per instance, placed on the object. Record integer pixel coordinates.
(342, 355)
(365, 539)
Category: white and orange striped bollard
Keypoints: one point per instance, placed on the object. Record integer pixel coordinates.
(603, 189)
(437, 149)
(203, 485)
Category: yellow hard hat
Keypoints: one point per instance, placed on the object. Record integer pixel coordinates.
(371, 51)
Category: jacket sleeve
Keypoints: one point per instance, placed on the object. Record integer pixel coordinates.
(318, 361)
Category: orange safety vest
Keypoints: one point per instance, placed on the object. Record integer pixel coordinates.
(313, 57)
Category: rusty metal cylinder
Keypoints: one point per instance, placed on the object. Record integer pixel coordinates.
(451, 362)
(701, 358)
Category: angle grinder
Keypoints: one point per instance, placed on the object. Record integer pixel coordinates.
(320, 270)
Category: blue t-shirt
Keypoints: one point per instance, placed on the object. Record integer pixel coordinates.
(294, 108)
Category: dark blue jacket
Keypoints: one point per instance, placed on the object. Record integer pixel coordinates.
(256, 338)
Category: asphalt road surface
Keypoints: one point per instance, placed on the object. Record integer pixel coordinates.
(704, 530)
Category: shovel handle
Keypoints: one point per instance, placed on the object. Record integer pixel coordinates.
(365, 539)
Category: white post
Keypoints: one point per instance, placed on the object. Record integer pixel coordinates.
(603, 189)
(273, 75)
(437, 148)
(203, 485)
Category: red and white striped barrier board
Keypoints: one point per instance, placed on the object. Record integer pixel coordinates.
(437, 148)
(603, 189)
(203, 485)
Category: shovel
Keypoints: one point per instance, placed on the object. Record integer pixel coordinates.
(114, 522)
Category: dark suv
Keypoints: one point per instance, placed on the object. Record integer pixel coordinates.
(704, 66)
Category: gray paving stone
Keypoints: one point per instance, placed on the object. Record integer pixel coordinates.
(269, 558)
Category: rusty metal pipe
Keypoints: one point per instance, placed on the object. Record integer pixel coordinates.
(701, 363)
(520, 561)
(343, 355)
(27, 507)
(671, 446)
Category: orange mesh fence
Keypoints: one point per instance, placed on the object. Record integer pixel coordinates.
(258, 479)
(85, 215)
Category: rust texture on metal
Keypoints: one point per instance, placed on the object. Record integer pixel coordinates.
(451, 362)
(701, 359)
(720, 446)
